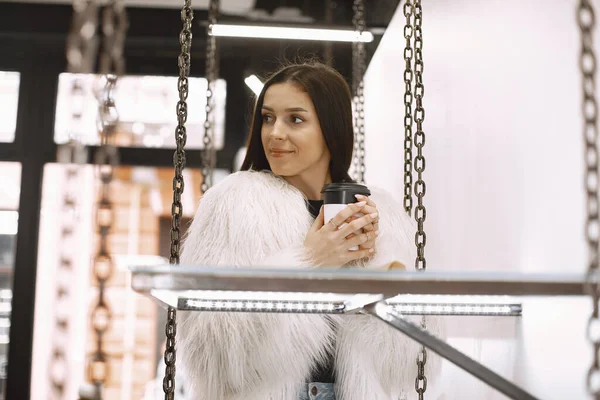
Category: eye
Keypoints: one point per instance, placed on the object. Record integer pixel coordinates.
(297, 120)
(267, 118)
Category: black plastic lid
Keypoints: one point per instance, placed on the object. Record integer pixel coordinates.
(343, 193)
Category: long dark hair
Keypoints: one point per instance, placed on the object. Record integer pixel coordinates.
(332, 99)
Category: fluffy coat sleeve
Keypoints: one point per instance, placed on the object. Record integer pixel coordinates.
(234, 356)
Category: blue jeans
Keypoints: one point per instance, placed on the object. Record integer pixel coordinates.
(318, 391)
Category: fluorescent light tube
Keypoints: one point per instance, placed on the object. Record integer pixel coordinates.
(275, 32)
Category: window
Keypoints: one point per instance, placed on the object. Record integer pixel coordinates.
(9, 96)
(10, 186)
(146, 107)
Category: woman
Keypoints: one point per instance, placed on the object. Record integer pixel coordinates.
(269, 215)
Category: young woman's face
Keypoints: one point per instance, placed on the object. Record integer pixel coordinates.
(291, 133)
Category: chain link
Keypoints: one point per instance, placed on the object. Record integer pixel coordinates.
(419, 166)
(587, 65)
(358, 71)
(212, 73)
(114, 29)
(103, 265)
(408, 100)
(184, 62)
(82, 41)
(419, 140)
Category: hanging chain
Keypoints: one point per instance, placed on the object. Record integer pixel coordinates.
(419, 139)
(184, 62)
(212, 73)
(358, 71)
(103, 263)
(421, 379)
(587, 64)
(408, 100)
(82, 41)
(114, 29)
(72, 154)
(419, 166)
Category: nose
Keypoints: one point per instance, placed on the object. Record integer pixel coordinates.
(278, 131)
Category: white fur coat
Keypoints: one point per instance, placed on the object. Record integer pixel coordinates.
(256, 219)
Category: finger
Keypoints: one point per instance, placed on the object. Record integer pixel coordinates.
(357, 224)
(359, 240)
(369, 209)
(370, 202)
(319, 221)
(369, 227)
(346, 213)
(369, 244)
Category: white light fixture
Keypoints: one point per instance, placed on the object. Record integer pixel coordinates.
(9, 221)
(254, 84)
(275, 32)
(266, 302)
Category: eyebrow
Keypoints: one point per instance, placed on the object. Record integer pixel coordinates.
(292, 109)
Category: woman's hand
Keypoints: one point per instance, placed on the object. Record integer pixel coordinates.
(373, 228)
(329, 246)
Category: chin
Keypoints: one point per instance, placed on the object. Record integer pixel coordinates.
(283, 170)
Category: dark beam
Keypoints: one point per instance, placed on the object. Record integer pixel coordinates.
(33, 139)
(9, 152)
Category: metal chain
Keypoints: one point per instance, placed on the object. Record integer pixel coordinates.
(71, 154)
(184, 62)
(421, 379)
(103, 264)
(82, 41)
(408, 100)
(212, 73)
(419, 166)
(587, 64)
(358, 71)
(114, 29)
(419, 139)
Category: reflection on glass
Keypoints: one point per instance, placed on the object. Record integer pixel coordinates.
(9, 96)
(146, 106)
(10, 187)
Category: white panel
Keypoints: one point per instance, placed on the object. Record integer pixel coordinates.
(504, 171)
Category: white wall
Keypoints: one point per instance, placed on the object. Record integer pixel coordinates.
(504, 172)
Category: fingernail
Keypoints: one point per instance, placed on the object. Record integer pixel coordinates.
(374, 215)
(371, 250)
(362, 203)
(376, 233)
(360, 196)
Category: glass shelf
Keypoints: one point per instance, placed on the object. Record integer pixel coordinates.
(387, 295)
(343, 291)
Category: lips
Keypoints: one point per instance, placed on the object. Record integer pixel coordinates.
(279, 152)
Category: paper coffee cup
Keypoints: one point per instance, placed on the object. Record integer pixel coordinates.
(337, 196)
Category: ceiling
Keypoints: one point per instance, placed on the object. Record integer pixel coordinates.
(378, 12)
(231, 7)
